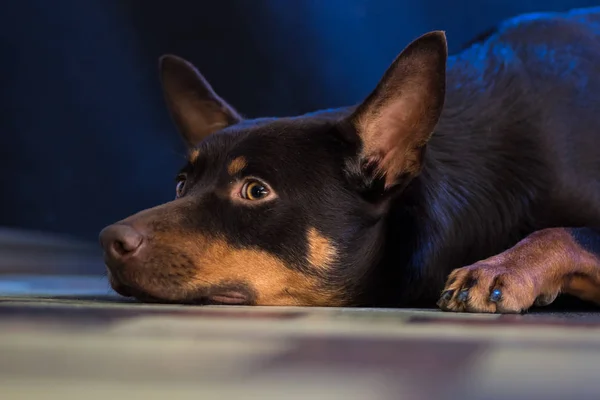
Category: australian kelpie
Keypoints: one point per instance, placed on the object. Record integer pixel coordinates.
(480, 170)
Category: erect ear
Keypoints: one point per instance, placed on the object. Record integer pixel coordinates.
(194, 106)
(397, 119)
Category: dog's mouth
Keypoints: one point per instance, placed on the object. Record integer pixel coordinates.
(229, 298)
(213, 296)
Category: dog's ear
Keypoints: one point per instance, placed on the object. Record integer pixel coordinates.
(195, 107)
(397, 119)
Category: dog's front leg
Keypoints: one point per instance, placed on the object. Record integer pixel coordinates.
(534, 271)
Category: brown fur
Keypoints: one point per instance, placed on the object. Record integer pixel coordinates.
(536, 270)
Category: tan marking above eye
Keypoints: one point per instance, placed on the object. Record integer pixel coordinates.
(236, 165)
(193, 155)
(321, 251)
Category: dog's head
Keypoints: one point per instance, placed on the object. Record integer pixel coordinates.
(287, 211)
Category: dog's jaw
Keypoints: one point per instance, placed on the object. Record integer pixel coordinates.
(118, 287)
(225, 297)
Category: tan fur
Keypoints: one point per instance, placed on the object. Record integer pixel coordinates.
(398, 118)
(193, 155)
(275, 283)
(584, 287)
(321, 252)
(393, 136)
(236, 165)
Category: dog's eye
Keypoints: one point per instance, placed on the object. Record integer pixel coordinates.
(254, 190)
(180, 185)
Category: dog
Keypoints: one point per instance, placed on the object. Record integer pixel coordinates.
(470, 181)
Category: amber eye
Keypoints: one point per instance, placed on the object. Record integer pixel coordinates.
(254, 190)
(180, 185)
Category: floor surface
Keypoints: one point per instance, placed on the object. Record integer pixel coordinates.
(71, 338)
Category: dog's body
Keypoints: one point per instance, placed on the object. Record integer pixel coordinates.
(364, 206)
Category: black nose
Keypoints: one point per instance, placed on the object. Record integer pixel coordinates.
(120, 241)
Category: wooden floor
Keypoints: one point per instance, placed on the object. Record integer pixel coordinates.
(67, 337)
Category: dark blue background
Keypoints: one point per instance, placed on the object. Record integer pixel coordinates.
(84, 135)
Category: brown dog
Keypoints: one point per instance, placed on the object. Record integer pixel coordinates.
(492, 154)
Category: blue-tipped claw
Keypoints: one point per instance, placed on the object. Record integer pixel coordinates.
(463, 295)
(496, 295)
(447, 295)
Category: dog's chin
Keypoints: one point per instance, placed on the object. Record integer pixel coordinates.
(120, 288)
(227, 297)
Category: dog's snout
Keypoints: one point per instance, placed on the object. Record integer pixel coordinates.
(120, 241)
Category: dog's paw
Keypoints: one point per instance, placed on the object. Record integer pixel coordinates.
(492, 286)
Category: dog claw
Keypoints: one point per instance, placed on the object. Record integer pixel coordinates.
(496, 295)
(447, 295)
(445, 298)
(463, 295)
